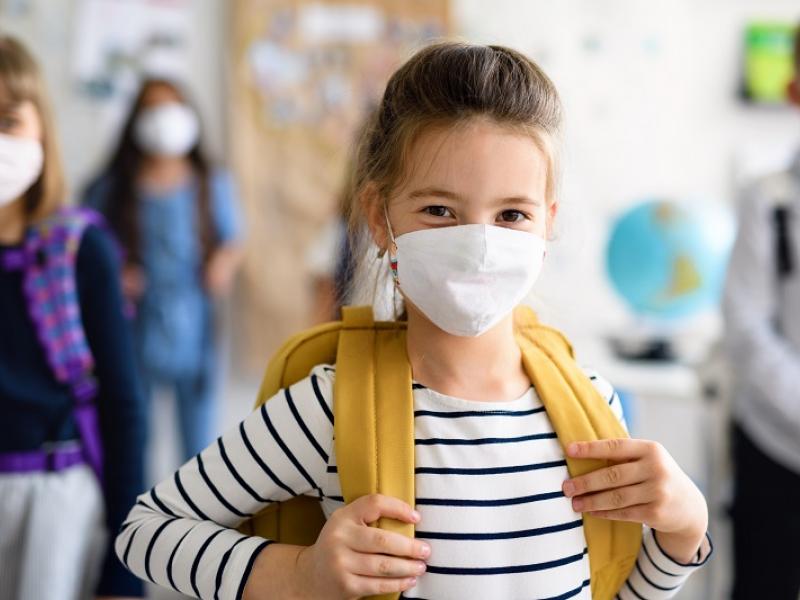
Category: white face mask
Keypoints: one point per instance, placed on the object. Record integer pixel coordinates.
(21, 162)
(171, 129)
(467, 278)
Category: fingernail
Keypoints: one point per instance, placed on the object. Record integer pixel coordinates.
(569, 488)
(411, 582)
(425, 551)
(421, 568)
(416, 516)
(573, 448)
(577, 504)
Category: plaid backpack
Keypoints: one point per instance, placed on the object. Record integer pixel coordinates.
(47, 258)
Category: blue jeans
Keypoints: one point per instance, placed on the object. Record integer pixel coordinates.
(196, 408)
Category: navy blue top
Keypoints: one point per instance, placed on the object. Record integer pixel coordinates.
(36, 409)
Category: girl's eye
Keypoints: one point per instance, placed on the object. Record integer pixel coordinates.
(513, 216)
(438, 211)
(8, 122)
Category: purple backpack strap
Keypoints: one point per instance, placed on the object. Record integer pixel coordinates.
(48, 258)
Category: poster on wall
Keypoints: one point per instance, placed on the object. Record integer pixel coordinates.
(118, 41)
(305, 75)
(768, 62)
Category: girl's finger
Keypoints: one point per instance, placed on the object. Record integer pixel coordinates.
(380, 565)
(619, 475)
(621, 449)
(373, 586)
(368, 509)
(615, 499)
(635, 514)
(371, 540)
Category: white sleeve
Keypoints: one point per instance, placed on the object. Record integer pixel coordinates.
(181, 533)
(761, 356)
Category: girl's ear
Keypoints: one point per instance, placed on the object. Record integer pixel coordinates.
(552, 212)
(372, 205)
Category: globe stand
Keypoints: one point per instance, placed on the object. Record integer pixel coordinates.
(655, 349)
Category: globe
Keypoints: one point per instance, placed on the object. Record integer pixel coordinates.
(667, 259)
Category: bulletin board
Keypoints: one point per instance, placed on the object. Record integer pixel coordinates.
(303, 77)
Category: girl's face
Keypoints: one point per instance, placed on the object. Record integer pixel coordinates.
(478, 173)
(20, 119)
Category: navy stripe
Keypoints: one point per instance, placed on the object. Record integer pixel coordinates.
(503, 535)
(478, 413)
(151, 545)
(614, 396)
(262, 464)
(572, 593)
(223, 563)
(130, 543)
(285, 448)
(189, 501)
(201, 467)
(332, 469)
(141, 502)
(172, 558)
(506, 570)
(497, 502)
(308, 434)
(321, 399)
(196, 562)
(224, 454)
(249, 568)
(490, 470)
(481, 441)
(652, 562)
(336, 498)
(651, 583)
(160, 504)
(634, 592)
(418, 386)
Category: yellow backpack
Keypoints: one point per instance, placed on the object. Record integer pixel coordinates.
(374, 427)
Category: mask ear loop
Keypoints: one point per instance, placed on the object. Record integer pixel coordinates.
(392, 262)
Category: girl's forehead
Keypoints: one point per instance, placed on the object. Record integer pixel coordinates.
(478, 156)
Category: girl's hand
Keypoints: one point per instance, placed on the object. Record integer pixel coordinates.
(134, 282)
(221, 270)
(645, 486)
(352, 559)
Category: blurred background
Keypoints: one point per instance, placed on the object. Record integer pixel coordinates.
(671, 107)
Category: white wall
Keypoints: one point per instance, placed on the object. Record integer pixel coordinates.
(88, 127)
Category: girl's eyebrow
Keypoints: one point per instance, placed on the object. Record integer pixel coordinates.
(434, 191)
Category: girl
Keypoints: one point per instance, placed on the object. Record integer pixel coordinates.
(456, 185)
(177, 220)
(51, 503)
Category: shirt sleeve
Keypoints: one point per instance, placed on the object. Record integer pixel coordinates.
(181, 533)
(655, 576)
(225, 207)
(762, 357)
(120, 401)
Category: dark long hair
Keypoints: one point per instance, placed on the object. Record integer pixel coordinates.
(123, 171)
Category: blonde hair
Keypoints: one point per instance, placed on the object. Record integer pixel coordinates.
(445, 85)
(21, 79)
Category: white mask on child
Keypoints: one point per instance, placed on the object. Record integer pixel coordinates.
(170, 129)
(21, 162)
(467, 278)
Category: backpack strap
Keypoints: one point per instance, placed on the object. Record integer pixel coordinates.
(48, 258)
(784, 259)
(579, 413)
(374, 401)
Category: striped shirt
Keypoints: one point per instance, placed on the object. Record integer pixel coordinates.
(488, 482)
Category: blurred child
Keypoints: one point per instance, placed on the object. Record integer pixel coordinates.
(71, 419)
(762, 302)
(177, 220)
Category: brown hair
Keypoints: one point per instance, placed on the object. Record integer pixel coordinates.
(122, 201)
(22, 80)
(445, 85)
